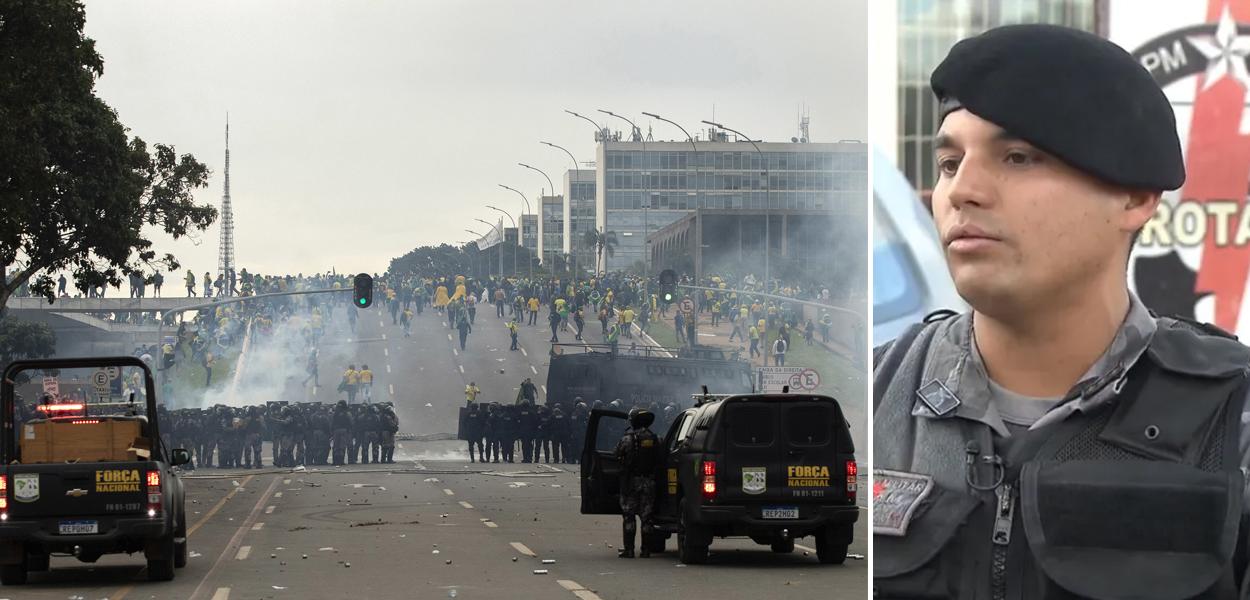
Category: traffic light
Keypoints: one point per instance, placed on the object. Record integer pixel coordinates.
(363, 290)
(668, 286)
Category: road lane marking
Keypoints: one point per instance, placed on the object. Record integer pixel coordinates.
(388, 368)
(386, 352)
(243, 553)
(234, 541)
(533, 369)
(448, 492)
(569, 584)
(461, 368)
(216, 507)
(277, 495)
(286, 482)
(466, 505)
(805, 548)
(524, 353)
(544, 388)
(222, 594)
(455, 352)
(269, 509)
(490, 524)
(391, 387)
(384, 337)
(519, 547)
(258, 526)
(587, 595)
(449, 337)
(380, 323)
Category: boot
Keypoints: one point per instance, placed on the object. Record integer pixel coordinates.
(625, 553)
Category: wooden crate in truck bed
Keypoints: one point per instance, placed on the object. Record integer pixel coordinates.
(78, 440)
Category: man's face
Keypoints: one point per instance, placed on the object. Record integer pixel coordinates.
(1019, 226)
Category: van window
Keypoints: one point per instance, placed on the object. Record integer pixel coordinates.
(687, 421)
(896, 285)
(610, 432)
(809, 425)
(751, 425)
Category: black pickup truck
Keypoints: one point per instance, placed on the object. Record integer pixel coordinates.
(84, 470)
(771, 467)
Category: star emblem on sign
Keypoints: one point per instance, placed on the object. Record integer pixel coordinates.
(1226, 52)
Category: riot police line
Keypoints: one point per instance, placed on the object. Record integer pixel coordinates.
(302, 434)
(549, 433)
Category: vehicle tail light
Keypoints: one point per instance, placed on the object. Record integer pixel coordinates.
(852, 480)
(154, 493)
(4, 497)
(709, 480)
(58, 407)
(85, 421)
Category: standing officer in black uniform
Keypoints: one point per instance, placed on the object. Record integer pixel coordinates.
(1059, 440)
(639, 453)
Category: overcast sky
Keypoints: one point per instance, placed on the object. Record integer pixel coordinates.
(360, 130)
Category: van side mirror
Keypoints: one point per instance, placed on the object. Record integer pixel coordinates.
(180, 457)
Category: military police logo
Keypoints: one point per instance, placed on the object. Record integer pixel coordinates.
(754, 480)
(895, 497)
(26, 487)
(939, 398)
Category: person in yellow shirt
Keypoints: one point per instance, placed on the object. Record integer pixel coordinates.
(351, 379)
(470, 392)
(627, 320)
(512, 332)
(755, 341)
(366, 382)
(533, 308)
(440, 297)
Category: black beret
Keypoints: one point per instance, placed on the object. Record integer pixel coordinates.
(1072, 94)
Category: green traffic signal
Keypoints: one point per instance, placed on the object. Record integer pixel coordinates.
(364, 301)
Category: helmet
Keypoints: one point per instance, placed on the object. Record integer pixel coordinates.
(641, 417)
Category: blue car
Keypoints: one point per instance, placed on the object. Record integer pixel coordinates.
(909, 273)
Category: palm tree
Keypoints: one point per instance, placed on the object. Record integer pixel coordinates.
(601, 243)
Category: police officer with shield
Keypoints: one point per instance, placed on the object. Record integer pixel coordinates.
(639, 453)
(1059, 440)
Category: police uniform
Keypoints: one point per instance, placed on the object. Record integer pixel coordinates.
(638, 451)
(1129, 486)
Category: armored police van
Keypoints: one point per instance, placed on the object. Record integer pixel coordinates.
(85, 472)
(642, 375)
(771, 467)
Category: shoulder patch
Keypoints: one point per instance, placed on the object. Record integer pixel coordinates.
(895, 497)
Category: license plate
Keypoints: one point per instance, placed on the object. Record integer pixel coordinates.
(780, 512)
(79, 527)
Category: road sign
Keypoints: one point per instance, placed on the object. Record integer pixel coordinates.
(806, 380)
(113, 372)
(51, 387)
(100, 379)
(772, 379)
(799, 379)
(687, 305)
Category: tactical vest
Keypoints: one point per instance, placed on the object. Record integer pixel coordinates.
(1140, 498)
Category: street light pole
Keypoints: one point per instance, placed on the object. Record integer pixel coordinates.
(479, 236)
(646, 195)
(695, 159)
(501, 240)
(518, 230)
(569, 232)
(529, 259)
(598, 136)
(768, 248)
(540, 201)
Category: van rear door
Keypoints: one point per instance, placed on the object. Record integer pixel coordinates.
(783, 451)
(601, 470)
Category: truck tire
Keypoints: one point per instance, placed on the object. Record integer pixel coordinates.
(691, 540)
(161, 568)
(14, 574)
(784, 546)
(181, 552)
(654, 542)
(38, 562)
(829, 552)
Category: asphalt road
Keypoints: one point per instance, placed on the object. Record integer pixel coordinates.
(434, 525)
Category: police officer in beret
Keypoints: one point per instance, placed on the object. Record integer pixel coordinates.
(1059, 440)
